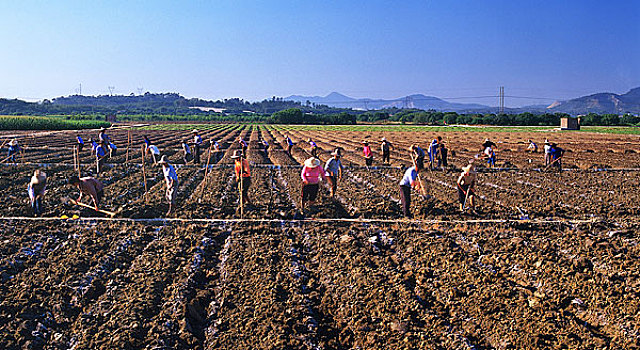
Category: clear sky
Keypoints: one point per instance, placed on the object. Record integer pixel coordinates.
(380, 49)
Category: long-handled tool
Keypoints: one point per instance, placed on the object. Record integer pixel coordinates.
(110, 213)
(422, 189)
(126, 160)
(144, 177)
(550, 164)
(241, 188)
(466, 198)
(206, 171)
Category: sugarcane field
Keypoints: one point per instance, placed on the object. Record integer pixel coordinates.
(260, 236)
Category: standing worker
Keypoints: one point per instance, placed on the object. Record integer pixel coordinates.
(101, 155)
(79, 143)
(366, 152)
(386, 147)
(311, 174)
(36, 190)
(443, 153)
(466, 187)
(265, 147)
(197, 142)
(112, 149)
(217, 152)
(89, 186)
(13, 150)
(433, 153)
(556, 154)
(314, 148)
(488, 143)
(547, 152)
(171, 180)
(418, 154)
(243, 176)
(334, 171)
(490, 155)
(187, 152)
(289, 144)
(409, 180)
(103, 137)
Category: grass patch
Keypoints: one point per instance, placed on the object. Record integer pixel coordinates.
(11, 122)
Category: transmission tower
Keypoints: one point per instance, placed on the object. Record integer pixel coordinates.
(501, 100)
(140, 89)
(111, 88)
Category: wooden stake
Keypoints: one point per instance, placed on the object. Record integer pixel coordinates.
(78, 158)
(128, 144)
(75, 163)
(208, 158)
(144, 177)
(241, 188)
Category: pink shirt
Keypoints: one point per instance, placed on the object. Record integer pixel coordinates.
(312, 175)
(366, 151)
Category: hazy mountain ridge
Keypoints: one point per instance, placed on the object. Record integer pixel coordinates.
(603, 103)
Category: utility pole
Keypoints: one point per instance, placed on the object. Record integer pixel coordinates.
(501, 100)
(111, 88)
(80, 90)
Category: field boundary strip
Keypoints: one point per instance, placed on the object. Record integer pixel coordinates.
(318, 220)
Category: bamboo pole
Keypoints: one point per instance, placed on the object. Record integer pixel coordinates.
(75, 161)
(144, 177)
(128, 144)
(78, 158)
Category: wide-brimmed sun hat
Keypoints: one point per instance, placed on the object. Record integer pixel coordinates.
(384, 139)
(236, 154)
(365, 142)
(194, 131)
(487, 140)
(336, 152)
(13, 142)
(164, 160)
(38, 177)
(469, 168)
(312, 162)
(546, 141)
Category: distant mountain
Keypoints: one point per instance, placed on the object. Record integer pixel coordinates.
(419, 101)
(602, 103)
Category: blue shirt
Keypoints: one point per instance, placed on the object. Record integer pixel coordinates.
(313, 144)
(333, 166)
(100, 152)
(410, 176)
(419, 151)
(80, 140)
(289, 142)
(169, 172)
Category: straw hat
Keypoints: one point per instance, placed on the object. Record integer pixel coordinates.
(13, 142)
(312, 162)
(336, 152)
(38, 177)
(195, 131)
(236, 154)
(546, 141)
(164, 160)
(487, 140)
(365, 142)
(468, 169)
(384, 139)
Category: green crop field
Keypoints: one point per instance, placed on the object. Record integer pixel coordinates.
(10, 122)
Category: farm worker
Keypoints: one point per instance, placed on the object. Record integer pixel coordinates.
(36, 190)
(94, 146)
(147, 143)
(187, 152)
(197, 142)
(532, 148)
(289, 144)
(417, 154)
(366, 152)
(442, 153)
(171, 179)
(334, 170)
(490, 155)
(244, 146)
(409, 180)
(386, 147)
(13, 150)
(112, 149)
(79, 143)
(547, 152)
(314, 148)
(89, 186)
(311, 174)
(154, 152)
(488, 143)
(101, 155)
(217, 151)
(243, 175)
(466, 187)
(265, 146)
(556, 154)
(103, 137)
(433, 152)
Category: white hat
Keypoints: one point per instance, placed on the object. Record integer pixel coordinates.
(312, 162)
(164, 160)
(468, 169)
(384, 139)
(195, 131)
(38, 177)
(237, 154)
(487, 140)
(336, 152)
(13, 142)
(546, 141)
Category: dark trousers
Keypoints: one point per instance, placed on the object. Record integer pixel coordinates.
(80, 147)
(420, 162)
(196, 151)
(314, 151)
(368, 161)
(36, 205)
(244, 187)
(443, 157)
(386, 157)
(405, 197)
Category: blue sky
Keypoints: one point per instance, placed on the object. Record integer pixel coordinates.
(379, 49)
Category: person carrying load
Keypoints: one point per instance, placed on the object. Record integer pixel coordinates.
(171, 180)
(243, 176)
(334, 171)
(466, 187)
(386, 147)
(311, 174)
(367, 154)
(36, 190)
